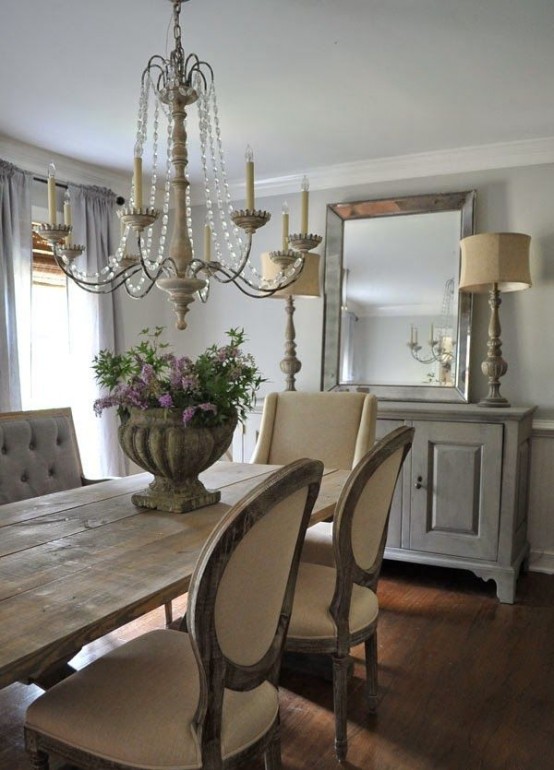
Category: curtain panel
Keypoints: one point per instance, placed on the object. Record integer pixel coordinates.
(91, 322)
(15, 282)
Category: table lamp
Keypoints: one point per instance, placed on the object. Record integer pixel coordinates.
(306, 285)
(495, 262)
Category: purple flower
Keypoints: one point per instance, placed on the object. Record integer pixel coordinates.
(188, 414)
(189, 383)
(147, 374)
(207, 407)
(166, 401)
(103, 403)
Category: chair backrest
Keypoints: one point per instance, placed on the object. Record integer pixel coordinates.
(361, 517)
(38, 454)
(241, 593)
(337, 428)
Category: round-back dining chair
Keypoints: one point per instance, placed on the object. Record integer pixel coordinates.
(336, 607)
(206, 699)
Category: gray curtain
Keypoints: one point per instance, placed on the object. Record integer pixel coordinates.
(15, 282)
(91, 322)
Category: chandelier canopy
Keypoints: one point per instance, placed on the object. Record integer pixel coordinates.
(144, 258)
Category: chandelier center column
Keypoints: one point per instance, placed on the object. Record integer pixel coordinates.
(180, 287)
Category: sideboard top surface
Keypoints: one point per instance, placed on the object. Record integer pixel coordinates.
(421, 410)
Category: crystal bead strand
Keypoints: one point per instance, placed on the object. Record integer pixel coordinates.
(226, 202)
(188, 207)
(154, 179)
(167, 191)
(223, 223)
(142, 121)
(202, 124)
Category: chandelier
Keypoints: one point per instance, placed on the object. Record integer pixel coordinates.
(441, 340)
(144, 258)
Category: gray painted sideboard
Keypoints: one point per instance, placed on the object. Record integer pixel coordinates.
(463, 496)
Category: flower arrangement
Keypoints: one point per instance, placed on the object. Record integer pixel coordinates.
(221, 383)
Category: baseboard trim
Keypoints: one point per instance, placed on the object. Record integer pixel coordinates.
(542, 561)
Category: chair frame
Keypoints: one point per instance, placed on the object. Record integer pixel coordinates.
(348, 573)
(217, 672)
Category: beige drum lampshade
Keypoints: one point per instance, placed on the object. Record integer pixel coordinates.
(495, 258)
(307, 283)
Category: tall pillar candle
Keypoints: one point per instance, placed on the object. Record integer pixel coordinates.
(52, 218)
(67, 216)
(285, 231)
(249, 155)
(137, 181)
(304, 206)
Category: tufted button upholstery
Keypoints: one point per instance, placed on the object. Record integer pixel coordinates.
(39, 454)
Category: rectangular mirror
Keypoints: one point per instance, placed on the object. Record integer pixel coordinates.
(395, 322)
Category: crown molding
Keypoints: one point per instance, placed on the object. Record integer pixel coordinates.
(528, 152)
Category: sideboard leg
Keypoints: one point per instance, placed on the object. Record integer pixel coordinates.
(506, 587)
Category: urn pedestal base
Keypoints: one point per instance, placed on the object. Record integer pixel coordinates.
(163, 497)
(175, 454)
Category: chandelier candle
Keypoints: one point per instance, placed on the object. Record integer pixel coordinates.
(285, 226)
(52, 194)
(137, 181)
(249, 155)
(304, 205)
(67, 220)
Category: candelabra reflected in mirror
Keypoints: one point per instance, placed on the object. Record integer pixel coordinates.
(441, 342)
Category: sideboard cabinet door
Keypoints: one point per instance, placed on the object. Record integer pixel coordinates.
(455, 501)
(462, 497)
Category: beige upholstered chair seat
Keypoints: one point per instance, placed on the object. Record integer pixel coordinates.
(146, 693)
(318, 545)
(311, 618)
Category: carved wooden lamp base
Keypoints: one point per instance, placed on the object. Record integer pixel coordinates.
(290, 365)
(494, 366)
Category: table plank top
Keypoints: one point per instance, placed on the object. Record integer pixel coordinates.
(75, 565)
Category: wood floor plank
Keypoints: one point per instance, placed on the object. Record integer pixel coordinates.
(466, 683)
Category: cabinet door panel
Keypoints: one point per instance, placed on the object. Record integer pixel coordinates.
(456, 474)
(395, 521)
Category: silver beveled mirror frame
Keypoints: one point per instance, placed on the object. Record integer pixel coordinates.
(340, 213)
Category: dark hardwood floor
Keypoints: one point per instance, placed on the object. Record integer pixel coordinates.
(466, 683)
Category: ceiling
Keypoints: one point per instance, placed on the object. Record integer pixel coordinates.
(307, 83)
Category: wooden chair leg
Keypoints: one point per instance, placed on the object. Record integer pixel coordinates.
(38, 760)
(272, 755)
(340, 703)
(168, 607)
(371, 674)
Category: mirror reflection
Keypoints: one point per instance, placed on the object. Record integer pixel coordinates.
(394, 319)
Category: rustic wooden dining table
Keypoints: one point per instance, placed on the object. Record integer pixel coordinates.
(75, 565)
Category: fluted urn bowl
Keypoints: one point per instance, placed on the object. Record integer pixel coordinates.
(158, 441)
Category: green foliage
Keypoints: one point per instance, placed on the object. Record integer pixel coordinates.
(221, 383)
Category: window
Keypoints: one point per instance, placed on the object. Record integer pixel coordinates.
(50, 330)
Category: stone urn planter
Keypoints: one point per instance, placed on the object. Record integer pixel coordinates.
(158, 441)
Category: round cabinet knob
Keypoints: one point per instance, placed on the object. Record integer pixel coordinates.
(418, 484)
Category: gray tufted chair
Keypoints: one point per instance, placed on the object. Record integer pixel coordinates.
(38, 454)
